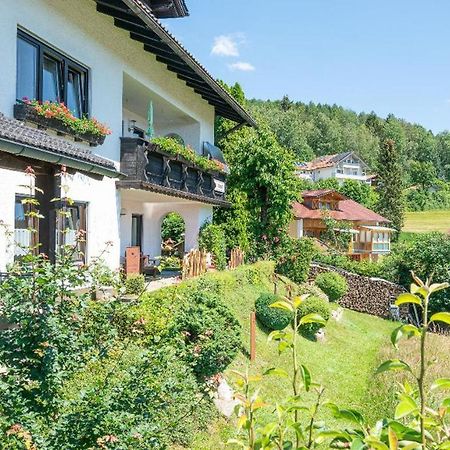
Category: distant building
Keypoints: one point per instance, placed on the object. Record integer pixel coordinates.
(342, 166)
(371, 235)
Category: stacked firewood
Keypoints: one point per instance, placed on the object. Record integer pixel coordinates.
(368, 295)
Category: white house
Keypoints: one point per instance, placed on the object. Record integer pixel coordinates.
(112, 60)
(342, 166)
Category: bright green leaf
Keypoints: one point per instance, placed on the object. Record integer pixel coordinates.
(441, 317)
(306, 377)
(408, 298)
(441, 383)
(406, 407)
(393, 364)
(312, 318)
(281, 304)
(277, 372)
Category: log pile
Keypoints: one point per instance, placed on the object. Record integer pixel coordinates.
(368, 295)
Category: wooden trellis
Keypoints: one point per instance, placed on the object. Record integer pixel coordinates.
(236, 258)
(194, 264)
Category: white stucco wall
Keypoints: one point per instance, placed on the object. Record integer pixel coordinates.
(90, 38)
(194, 215)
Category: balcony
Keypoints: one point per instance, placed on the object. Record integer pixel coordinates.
(148, 167)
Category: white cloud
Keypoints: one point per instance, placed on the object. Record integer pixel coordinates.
(225, 46)
(241, 65)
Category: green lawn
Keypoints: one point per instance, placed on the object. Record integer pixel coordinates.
(423, 221)
(344, 364)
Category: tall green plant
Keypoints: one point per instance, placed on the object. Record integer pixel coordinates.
(286, 422)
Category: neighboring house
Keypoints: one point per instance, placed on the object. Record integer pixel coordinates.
(341, 166)
(113, 60)
(371, 235)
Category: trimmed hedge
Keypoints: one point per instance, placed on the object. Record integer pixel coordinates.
(313, 305)
(271, 318)
(333, 284)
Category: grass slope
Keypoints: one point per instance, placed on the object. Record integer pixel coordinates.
(344, 364)
(424, 221)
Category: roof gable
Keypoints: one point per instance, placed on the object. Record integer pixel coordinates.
(347, 209)
(136, 17)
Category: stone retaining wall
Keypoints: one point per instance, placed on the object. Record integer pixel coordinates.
(368, 295)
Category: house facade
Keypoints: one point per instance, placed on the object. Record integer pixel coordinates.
(370, 232)
(341, 166)
(112, 60)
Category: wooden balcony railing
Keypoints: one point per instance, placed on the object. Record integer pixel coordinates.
(147, 163)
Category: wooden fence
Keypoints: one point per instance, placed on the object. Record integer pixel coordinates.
(194, 264)
(236, 258)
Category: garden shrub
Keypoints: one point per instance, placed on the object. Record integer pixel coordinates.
(364, 268)
(146, 393)
(333, 284)
(212, 239)
(312, 290)
(209, 333)
(135, 284)
(428, 253)
(271, 318)
(313, 305)
(293, 258)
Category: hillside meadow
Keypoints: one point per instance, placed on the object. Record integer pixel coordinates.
(344, 364)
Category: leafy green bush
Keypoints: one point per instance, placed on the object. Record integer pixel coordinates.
(271, 318)
(151, 399)
(428, 253)
(212, 239)
(135, 284)
(364, 268)
(313, 305)
(208, 332)
(312, 290)
(333, 284)
(293, 258)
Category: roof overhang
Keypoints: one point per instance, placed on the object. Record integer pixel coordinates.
(40, 154)
(136, 17)
(378, 228)
(145, 186)
(166, 9)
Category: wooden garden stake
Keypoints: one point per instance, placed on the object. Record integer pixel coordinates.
(252, 336)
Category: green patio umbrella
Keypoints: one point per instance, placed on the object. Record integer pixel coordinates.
(150, 130)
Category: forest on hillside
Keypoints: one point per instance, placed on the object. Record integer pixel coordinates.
(311, 130)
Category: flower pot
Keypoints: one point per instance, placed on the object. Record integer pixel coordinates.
(27, 113)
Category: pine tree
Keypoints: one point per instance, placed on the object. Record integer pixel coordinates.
(390, 187)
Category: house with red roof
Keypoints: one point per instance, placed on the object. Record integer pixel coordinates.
(371, 234)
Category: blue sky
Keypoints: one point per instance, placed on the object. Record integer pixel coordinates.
(382, 55)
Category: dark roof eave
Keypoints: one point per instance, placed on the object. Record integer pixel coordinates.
(138, 8)
(146, 186)
(20, 149)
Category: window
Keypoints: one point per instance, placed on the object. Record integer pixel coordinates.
(24, 238)
(44, 74)
(69, 226)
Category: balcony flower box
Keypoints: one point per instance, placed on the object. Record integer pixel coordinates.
(56, 117)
